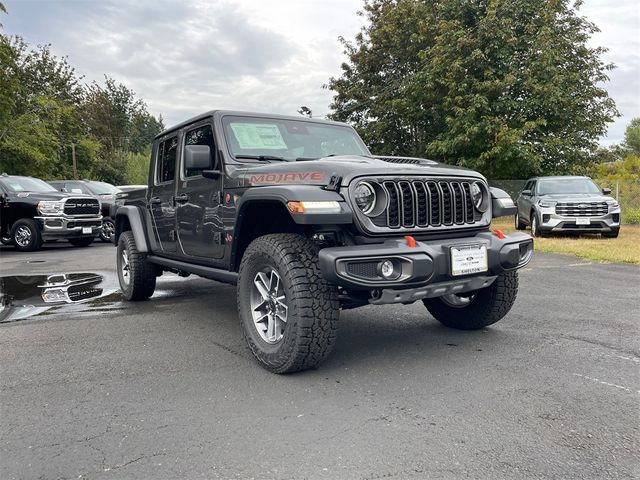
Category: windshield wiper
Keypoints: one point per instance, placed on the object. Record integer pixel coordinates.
(263, 158)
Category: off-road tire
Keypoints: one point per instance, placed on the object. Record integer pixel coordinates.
(142, 273)
(613, 234)
(313, 306)
(36, 237)
(81, 241)
(518, 224)
(103, 236)
(489, 305)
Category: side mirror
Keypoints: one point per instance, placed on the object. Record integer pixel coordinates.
(197, 157)
(501, 203)
(606, 191)
(526, 193)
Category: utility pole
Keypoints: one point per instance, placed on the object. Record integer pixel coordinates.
(73, 159)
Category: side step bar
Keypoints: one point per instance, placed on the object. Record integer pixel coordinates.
(200, 270)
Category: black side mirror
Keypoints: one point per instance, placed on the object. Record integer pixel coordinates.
(501, 203)
(606, 191)
(526, 193)
(197, 157)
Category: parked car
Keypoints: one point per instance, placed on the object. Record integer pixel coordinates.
(32, 212)
(300, 215)
(102, 190)
(567, 204)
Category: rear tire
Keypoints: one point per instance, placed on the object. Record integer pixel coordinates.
(288, 312)
(26, 236)
(137, 276)
(81, 242)
(483, 308)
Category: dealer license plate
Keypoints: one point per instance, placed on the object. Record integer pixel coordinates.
(583, 221)
(468, 259)
(86, 230)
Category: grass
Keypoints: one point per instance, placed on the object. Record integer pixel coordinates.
(624, 249)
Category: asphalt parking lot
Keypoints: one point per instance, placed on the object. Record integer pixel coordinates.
(168, 389)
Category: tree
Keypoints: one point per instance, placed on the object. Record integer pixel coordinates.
(38, 95)
(507, 87)
(632, 137)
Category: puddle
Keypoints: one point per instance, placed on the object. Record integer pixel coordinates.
(27, 296)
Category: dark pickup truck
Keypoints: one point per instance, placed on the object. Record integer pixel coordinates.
(300, 215)
(32, 212)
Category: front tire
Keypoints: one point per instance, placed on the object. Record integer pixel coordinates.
(137, 276)
(26, 236)
(81, 242)
(535, 225)
(518, 224)
(108, 229)
(288, 312)
(477, 309)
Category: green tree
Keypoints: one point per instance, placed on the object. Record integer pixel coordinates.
(38, 96)
(632, 136)
(507, 87)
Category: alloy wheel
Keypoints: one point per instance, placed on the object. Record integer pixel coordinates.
(268, 305)
(23, 235)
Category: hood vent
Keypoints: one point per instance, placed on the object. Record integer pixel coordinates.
(410, 160)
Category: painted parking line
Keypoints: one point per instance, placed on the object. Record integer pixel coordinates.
(608, 384)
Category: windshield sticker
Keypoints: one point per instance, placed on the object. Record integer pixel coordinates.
(258, 136)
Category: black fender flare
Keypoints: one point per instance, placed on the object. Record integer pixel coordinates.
(296, 193)
(136, 221)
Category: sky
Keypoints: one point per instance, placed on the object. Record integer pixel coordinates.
(187, 57)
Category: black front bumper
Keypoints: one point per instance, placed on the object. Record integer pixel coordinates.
(425, 269)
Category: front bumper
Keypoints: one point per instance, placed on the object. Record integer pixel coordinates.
(550, 221)
(425, 269)
(54, 227)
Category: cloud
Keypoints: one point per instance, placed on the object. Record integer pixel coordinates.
(184, 58)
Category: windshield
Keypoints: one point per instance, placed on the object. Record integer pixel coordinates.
(102, 188)
(26, 184)
(290, 140)
(567, 185)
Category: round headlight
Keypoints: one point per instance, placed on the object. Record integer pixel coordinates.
(365, 197)
(478, 196)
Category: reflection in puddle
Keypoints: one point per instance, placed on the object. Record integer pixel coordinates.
(27, 296)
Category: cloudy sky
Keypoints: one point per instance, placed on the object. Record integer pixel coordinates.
(185, 57)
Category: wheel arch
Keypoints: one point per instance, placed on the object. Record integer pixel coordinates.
(129, 218)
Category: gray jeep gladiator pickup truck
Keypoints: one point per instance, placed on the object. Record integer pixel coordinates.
(305, 221)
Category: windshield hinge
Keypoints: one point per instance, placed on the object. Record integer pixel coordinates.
(334, 183)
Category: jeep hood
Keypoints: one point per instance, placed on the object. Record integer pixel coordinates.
(320, 172)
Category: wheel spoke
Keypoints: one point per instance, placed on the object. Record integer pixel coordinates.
(274, 283)
(261, 284)
(271, 327)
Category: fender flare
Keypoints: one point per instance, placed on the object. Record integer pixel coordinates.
(137, 223)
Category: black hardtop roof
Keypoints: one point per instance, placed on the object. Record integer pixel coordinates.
(211, 113)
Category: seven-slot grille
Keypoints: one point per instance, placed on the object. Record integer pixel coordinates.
(582, 209)
(427, 203)
(82, 206)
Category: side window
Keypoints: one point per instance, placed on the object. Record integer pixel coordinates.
(166, 164)
(199, 136)
(527, 186)
(533, 187)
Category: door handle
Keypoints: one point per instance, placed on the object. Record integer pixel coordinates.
(155, 201)
(184, 198)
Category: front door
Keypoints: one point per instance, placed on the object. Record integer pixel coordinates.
(161, 201)
(199, 201)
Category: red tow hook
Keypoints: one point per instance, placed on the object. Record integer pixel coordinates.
(411, 242)
(499, 233)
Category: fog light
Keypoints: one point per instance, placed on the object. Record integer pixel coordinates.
(387, 270)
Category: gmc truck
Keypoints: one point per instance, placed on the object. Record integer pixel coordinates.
(306, 221)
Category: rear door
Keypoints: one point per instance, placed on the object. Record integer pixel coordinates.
(161, 192)
(198, 200)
